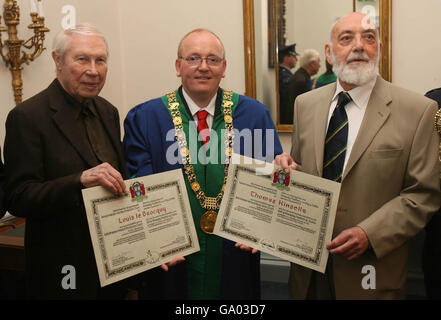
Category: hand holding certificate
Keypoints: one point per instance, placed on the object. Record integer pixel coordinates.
(149, 226)
(287, 215)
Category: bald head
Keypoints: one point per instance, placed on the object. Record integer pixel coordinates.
(200, 31)
(351, 20)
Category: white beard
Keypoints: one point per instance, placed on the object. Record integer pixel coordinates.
(357, 74)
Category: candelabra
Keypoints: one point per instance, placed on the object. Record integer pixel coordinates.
(14, 57)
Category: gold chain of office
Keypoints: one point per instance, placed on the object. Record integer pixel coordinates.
(208, 203)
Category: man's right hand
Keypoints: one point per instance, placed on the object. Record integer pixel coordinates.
(106, 176)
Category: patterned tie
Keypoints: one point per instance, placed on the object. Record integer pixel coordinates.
(336, 140)
(203, 126)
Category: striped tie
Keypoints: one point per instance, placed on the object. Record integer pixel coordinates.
(336, 140)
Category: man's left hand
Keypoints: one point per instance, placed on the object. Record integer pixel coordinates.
(350, 243)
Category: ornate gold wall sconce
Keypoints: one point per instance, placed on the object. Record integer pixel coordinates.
(11, 49)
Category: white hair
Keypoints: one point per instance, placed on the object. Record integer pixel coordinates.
(308, 56)
(61, 40)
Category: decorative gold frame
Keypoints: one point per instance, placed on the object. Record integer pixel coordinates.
(249, 48)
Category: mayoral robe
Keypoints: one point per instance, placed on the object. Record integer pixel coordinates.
(219, 270)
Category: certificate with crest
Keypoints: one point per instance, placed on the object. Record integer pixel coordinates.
(151, 225)
(290, 216)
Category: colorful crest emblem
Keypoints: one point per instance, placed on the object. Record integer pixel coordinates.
(137, 191)
(281, 179)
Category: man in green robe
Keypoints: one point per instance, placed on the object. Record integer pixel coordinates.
(204, 112)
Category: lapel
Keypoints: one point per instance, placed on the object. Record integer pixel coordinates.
(323, 101)
(377, 112)
(64, 119)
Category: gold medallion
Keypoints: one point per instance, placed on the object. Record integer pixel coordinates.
(195, 186)
(207, 222)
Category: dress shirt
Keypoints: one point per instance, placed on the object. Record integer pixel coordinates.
(354, 109)
(194, 108)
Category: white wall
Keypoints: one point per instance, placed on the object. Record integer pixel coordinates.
(143, 37)
(151, 32)
(416, 44)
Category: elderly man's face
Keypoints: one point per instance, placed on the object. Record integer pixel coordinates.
(202, 80)
(315, 66)
(355, 49)
(82, 72)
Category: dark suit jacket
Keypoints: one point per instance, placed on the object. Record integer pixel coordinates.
(45, 154)
(296, 86)
(2, 191)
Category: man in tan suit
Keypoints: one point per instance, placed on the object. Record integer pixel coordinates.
(388, 168)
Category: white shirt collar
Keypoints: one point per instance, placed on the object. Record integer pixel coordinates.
(194, 108)
(360, 95)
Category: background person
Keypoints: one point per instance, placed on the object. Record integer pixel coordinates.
(58, 142)
(309, 66)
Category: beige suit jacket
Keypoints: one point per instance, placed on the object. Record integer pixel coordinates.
(390, 185)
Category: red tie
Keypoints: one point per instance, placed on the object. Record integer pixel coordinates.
(203, 126)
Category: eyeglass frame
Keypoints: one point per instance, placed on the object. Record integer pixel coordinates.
(193, 64)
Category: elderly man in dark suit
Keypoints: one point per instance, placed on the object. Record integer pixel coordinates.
(58, 142)
(298, 84)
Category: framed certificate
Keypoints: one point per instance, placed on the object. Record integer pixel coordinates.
(290, 216)
(149, 226)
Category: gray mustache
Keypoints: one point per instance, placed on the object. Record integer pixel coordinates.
(357, 56)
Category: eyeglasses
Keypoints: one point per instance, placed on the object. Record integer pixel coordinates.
(196, 61)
